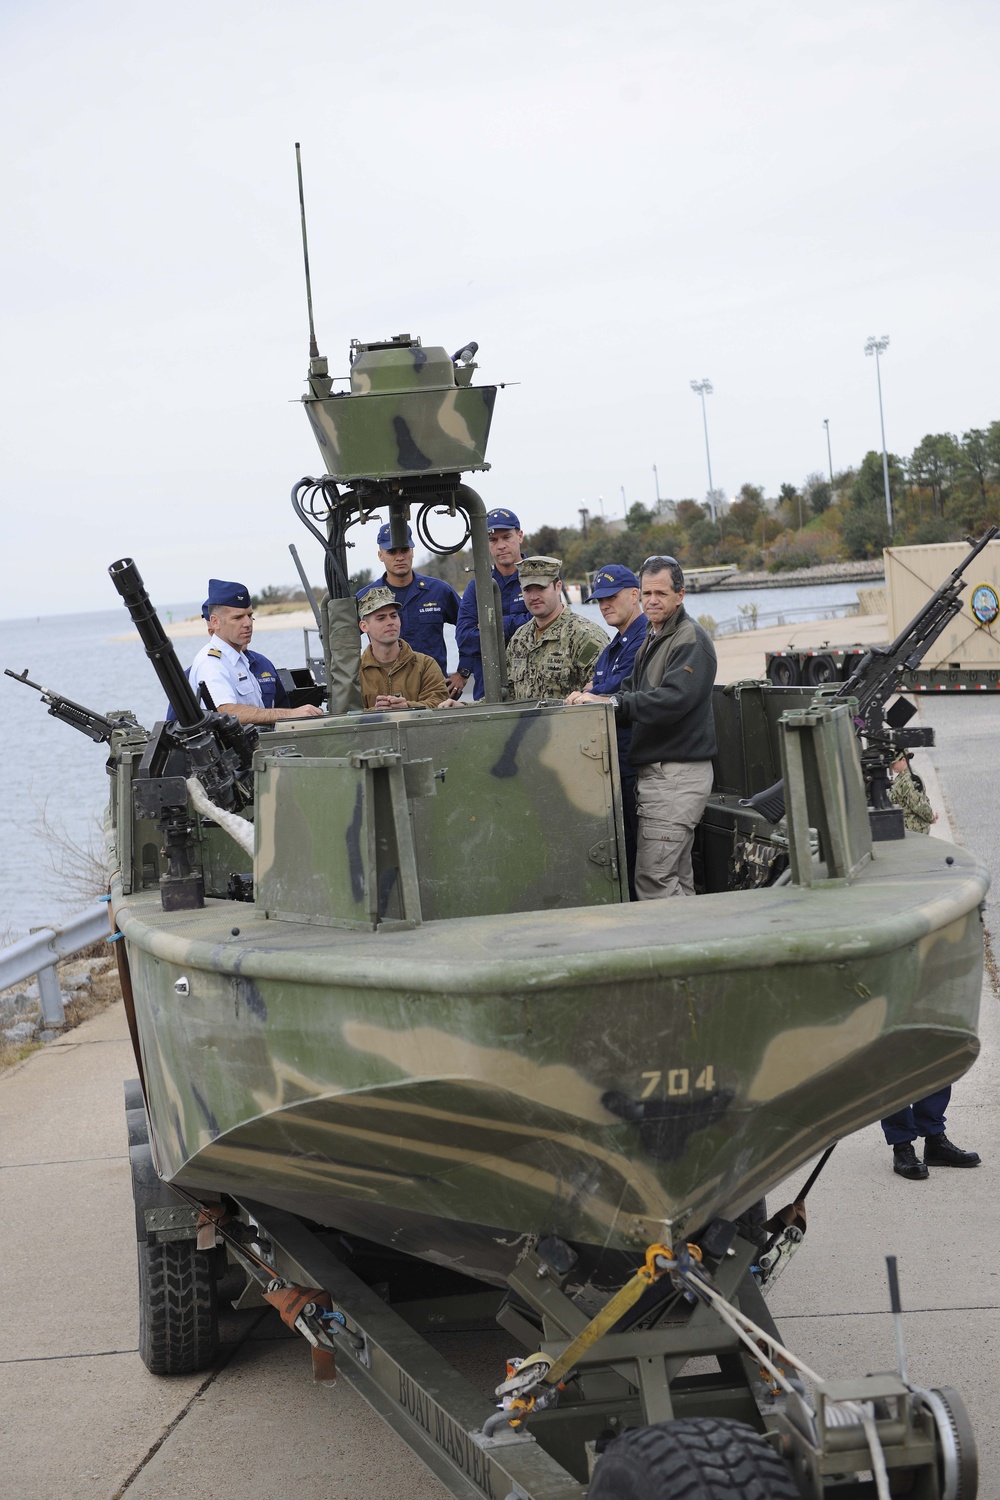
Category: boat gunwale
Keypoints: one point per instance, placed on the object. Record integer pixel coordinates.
(961, 887)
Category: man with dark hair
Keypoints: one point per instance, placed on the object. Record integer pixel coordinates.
(426, 605)
(505, 538)
(667, 701)
(392, 674)
(553, 654)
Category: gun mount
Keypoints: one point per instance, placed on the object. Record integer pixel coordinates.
(883, 733)
(97, 727)
(214, 748)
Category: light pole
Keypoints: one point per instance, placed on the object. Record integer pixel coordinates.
(656, 479)
(878, 347)
(703, 388)
(829, 455)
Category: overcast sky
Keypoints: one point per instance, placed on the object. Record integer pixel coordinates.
(612, 199)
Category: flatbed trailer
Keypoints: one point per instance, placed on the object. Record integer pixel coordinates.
(818, 666)
(964, 659)
(368, 1316)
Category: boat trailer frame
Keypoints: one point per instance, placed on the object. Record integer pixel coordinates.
(617, 1375)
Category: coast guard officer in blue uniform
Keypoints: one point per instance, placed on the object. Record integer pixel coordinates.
(616, 590)
(426, 604)
(506, 537)
(241, 682)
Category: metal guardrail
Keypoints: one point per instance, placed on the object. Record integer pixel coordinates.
(755, 620)
(41, 950)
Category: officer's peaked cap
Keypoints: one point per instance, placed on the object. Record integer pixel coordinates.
(611, 580)
(385, 536)
(231, 595)
(502, 520)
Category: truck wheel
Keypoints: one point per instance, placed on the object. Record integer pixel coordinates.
(783, 671)
(703, 1458)
(178, 1311)
(819, 670)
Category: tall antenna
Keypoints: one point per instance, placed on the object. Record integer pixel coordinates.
(313, 346)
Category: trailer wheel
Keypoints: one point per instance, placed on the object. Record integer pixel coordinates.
(819, 670)
(178, 1309)
(703, 1458)
(783, 671)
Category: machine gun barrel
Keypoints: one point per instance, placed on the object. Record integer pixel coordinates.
(875, 676)
(873, 682)
(173, 679)
(96, 726)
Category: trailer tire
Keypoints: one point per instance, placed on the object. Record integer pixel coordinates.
(783, 671)
(703, 1458)
(178, 1308)
(820, 670)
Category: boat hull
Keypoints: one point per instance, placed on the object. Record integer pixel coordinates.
(612, 1075)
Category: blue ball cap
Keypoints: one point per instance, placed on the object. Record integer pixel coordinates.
(385, 537)
(611, 580)
(232, 595)
(502, 520)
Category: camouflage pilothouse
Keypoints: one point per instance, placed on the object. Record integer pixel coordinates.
(397, 1022)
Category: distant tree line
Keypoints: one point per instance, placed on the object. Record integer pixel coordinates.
(948, 488)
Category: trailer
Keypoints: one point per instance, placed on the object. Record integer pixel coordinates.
(965, 658)
(586, 1408)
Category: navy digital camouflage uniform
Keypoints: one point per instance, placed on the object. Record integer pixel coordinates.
(558, 659)
(907, 792)
(927, 1116)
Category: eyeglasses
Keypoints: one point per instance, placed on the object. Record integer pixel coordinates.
(661, 561)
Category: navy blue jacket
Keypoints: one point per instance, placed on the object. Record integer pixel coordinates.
(612, 668)
(271, 691)
(515, 614)
(425, 606)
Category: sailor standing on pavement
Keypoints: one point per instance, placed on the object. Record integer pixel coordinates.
(505, 537)
(668, 702)
(554, 654)
(223, 664)
(616, 590)
(925, 1117)
(426, 605)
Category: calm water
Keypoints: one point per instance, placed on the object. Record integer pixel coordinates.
(53, 772)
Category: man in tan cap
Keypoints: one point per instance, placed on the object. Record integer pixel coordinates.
(554, 653)
(393, 675)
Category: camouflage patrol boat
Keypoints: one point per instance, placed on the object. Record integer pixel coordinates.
(391, 1005)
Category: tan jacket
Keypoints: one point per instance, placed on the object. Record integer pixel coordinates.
(412, 676)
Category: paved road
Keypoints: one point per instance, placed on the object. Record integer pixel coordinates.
(83, 1420)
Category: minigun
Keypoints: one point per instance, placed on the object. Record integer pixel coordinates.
(874, 680)
(97, 727)
(215, 748)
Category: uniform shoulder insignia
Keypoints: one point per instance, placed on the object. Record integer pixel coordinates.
(214, 652)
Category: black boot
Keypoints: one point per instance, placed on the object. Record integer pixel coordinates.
(939, 1152)
(904, 1161)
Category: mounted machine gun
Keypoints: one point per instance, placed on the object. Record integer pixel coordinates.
(883, 733)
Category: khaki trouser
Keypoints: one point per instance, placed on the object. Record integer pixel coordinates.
(671, 798)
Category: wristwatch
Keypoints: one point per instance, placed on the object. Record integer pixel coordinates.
(464, 672)
(613, 700)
